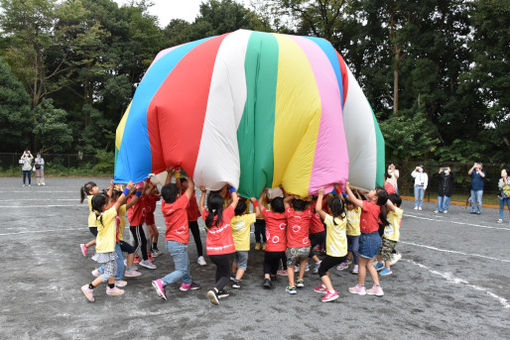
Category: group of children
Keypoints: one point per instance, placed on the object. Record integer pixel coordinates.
(346, 227)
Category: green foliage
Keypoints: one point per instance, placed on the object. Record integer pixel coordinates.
(50, 127)
(105, 161)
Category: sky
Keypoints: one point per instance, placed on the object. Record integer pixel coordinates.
(167, 10)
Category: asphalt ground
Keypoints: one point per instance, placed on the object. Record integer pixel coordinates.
(452, 282)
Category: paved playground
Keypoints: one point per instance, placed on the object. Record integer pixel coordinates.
(452, 282)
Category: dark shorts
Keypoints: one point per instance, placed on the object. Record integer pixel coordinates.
(369, 244)
(126, 247)
(93, 231)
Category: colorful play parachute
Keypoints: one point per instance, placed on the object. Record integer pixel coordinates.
(252, 110)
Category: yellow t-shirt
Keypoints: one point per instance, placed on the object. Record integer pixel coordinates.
(122, 225)
(353, 218)
(92, 216)
(241, 226)
(336, 239)
(107, 231)
(392, 230)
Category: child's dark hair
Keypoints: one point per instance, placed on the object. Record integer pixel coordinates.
(299, 204)
(395, 199)
(215, 206)
(85, 190)
(382, 198)
(183, 179)
(97, 204)
(116, 194)
(277, 205)
(240, 207)
(336, 205)
(169, 192)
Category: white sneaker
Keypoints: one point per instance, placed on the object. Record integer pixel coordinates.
(500, 221)
(435, 211)
(395, 258)
(132, 273)
(148, 264)
(96, 273)
(38, 184)
(201, 261)
(415, 208)
(420, 208)
(120, 283)
(445, 212)
(316, 267)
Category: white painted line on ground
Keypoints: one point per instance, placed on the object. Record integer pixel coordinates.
(457, 280)
(42, 206)
(456, 222)
(40, 231)
(455, 252)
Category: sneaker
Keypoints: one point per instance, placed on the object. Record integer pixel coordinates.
(155, 253)
(264, 246)
(419, 208)
(300, 283)
(147, 264)
(95, 273)
(160, 288)
(190, 286)
(342, 266)
(296, 268)
(84, 249)
(385, 272)
(478, 213)
(201, 261)
(307, 268)
(282, 272)
(436, 211)
(114, 291)
(500, 221)
(222, 294)
(120, 283)
(213, 296)
(349, 261)
(415, 208)
(267, 284)
(236, 284)
(137, 259)
(355, 269)
(379, 266)
(375, 290)
(232, 277)
(320, 289)
(445, 212)
(132, 273)
(258, 246)
(395, 258)
(330, 296)
(357, 289)
(316, 267)
(89, 293)
(149, 257)
(291, 290)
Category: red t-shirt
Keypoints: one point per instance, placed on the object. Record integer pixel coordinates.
(390, 188)
(136, 214)
(150, 203)
(298, 228)
(369, 221)
(276, 230)
(192, 208)
(176, 220)
(219, 239)
(316, 225)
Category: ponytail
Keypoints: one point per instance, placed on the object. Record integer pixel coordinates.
(382, 217)
(98, 201)
(215, 206)
(85, 190)
(82, 194)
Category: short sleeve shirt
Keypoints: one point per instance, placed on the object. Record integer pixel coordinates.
(353, 220)
(176, 220)
(316, 225)
(369, 221)
(336, 239)
(477, 181)
(241, 227)
(298, 227)
(219, 238)
(136, 214)
(276, 230)
(107, 231)
(92, 215)
(122, 222)
(392, 230)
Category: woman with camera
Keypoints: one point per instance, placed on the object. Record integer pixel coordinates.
(445, 190)
(26, 166)
(421, 181)
(504, 194)
(477, 181)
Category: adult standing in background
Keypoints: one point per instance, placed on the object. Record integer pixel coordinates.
(477, 181)
(39, 169)
(26, 166)
(445, 190)
(421, 181)
(392, 175)
(504, 194)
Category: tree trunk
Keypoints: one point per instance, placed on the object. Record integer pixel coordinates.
(395, 81)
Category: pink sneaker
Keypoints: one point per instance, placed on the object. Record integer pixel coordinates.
(342, 266)
(89, 293)
(320, 289)
(190, 286)
(132, 273)
(114, 291)
(330, 296)
(357, 289)
(84, 249)
(375, 290)
(160, 288)
(282, 272)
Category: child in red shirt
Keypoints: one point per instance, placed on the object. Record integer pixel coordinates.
(219, 242)
(373, 212)
(176, 236)
(151, 197)
(298, 242)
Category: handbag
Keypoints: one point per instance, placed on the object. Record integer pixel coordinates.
(37, 166)
(505, 191)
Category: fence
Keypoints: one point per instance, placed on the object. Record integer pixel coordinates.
(58, 161)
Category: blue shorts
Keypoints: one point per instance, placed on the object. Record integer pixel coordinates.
(369, 245)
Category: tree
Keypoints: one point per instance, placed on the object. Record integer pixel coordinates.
(51, 128)
(15, 114)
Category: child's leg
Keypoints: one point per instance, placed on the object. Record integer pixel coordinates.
(355, 249)
(267, 265)
(154, 236)
(290, 275)
(242, 263)
(275, 262)
(326, 265)
(130, 250)
(302, 267)
(120, 263)
(372, 271)
(140, 240)
(179, 253)
(263, 230)
(222, 263)
(193, 226)
(93, 231)
(362, 270)
(258, 231)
